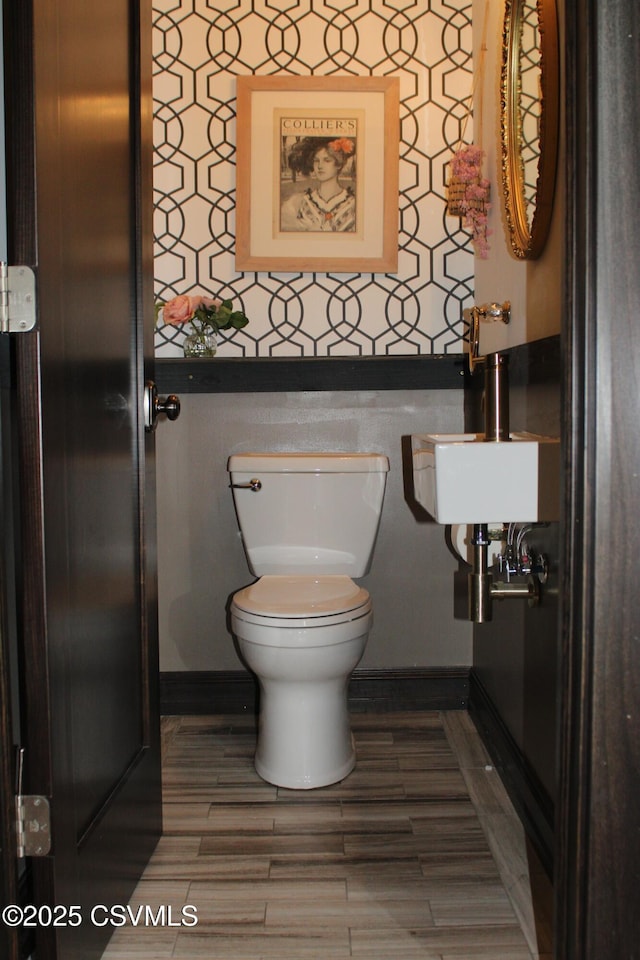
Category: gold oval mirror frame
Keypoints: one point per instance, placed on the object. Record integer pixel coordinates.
(529, 121)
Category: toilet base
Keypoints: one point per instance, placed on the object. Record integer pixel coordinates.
(278, 778)
(304, 732)
(304, 735)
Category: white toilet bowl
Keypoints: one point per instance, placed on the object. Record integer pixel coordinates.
(302, 637)
(309, 523)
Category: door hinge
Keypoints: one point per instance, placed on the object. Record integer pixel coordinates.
(17, 299)
(33, 818)
(33, 826)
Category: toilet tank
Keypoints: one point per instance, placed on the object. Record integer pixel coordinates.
(315, 513)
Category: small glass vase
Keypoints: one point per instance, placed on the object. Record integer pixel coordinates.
(201, 344)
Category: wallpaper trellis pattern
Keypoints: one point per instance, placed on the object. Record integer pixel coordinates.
(200, 47)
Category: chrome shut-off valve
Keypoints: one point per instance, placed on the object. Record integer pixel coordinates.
(519, 559)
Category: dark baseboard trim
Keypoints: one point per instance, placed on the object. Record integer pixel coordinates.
(529, 797)
(202, 692)
(235, 691)
(412, 688)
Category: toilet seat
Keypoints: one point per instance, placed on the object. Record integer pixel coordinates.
(301, 601)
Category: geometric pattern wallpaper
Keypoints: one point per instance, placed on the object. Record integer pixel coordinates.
(200, 48)
(529, 113)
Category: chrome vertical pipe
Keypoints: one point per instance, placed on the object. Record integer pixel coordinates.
(480, 580)
(496, 397)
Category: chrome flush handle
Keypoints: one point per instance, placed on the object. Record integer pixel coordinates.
(253, 485)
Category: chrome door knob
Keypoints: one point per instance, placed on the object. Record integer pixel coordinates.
(170, 406)
(154, 405)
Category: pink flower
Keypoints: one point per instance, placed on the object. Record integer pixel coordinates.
(182, 308)
(466, 163)
(466, 168)
(203, 313)
(478, 191)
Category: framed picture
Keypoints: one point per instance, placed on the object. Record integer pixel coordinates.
(317, 174)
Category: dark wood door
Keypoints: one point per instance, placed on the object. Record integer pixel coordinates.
(79, 185)
(598, 815)
(9, 880)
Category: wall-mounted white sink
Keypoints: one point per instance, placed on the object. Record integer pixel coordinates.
(458, 478)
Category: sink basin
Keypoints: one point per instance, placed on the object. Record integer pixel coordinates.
(458, 478)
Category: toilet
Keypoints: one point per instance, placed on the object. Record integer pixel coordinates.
(308, 523)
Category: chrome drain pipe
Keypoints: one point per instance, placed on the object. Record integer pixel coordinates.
(483, 590)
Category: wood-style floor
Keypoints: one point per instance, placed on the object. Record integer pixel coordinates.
(417, 854)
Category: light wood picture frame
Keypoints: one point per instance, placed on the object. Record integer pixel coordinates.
(317, 174)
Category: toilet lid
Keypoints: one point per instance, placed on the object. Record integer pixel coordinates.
(303, 598)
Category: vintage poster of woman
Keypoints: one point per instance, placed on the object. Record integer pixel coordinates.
(318, 173)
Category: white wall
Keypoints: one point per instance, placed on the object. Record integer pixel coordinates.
(201, 560)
